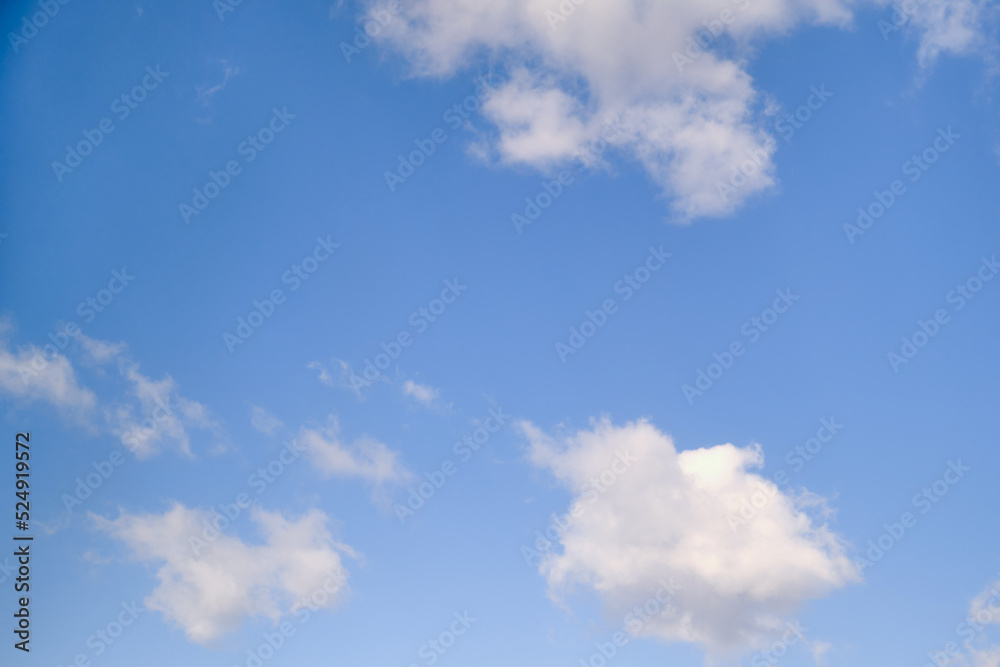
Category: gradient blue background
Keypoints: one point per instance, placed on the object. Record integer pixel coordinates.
(324, 176)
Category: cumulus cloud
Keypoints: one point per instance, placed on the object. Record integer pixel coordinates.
(669, 517)
(661, 81)
(34, 374)
(608, 72)
(210, 591)
(365, 457)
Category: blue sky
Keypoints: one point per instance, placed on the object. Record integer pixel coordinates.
(638, 258)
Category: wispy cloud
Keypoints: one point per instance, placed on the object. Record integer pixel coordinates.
(147, 415)
(263, 421)
(337, 374)
(424, 394)
(205, 94)
(365, 458)
(151, 415)
(29, 374)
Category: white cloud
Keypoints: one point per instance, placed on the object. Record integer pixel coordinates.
(263, 421)
(365, 457)
(541, 124)
(31, 375)
(989, 657)
(421, 392)
(689, 126)
(689, 115)
(205, 94)
(819, 650)
(670, 519)
(150, 415)
(324, 374)
(211, 593)
(100, 351)
(338, 376)
(158, 417)
(977, 657)
(985, 607)
(984, 611)
(951, 27)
